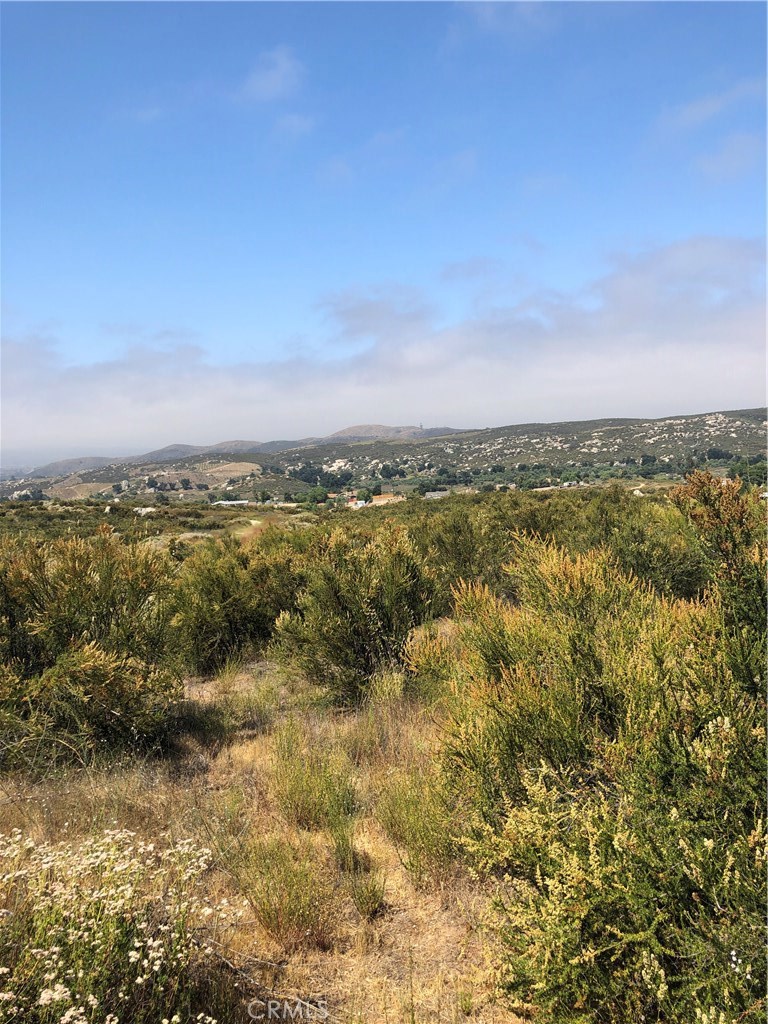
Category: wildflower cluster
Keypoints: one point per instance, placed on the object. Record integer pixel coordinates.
(102, 931)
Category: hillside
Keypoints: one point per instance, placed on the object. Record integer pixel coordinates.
(530, 454)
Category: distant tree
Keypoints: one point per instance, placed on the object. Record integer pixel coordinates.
(364, 494)
(186, 483)
(753, 473)
(315, 495)
(117, 488)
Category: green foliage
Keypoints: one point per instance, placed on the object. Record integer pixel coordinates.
(313, 787)
(731, 525)
(288, 894)
(227, 599)
(360, 602)
(609, 764)
(84, 634)
(74, 592)
(368, 892)
(415, 814)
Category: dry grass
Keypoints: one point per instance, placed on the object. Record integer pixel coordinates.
(378, 945)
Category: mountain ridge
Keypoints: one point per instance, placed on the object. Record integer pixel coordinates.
(361, 436)
(173, 452)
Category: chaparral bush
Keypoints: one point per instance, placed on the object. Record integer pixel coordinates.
(353, 617)
(228, 597)
(85, 635)
(607, 747)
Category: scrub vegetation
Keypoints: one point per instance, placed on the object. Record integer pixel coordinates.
(499, 757)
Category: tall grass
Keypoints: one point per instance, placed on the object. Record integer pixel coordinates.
(313, 786)
(413, 811)
(290, 896)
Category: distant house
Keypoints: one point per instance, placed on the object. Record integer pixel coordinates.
(243, 502)
(437, 494)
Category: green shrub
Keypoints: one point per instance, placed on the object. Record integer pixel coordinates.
(290, 897)
(609, 764)
(313, 787)
(731, 524)
(85, 635)
(415, 815)
(69, 593)
(227, 599)
(368, 892)
(360, 602)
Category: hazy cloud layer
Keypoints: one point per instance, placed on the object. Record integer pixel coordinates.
(680, 329)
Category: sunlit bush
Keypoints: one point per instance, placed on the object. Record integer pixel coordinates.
(360, 602)
(227, 599)
(85, 636)
(610, 765)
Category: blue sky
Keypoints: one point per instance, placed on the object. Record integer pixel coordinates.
(255, 220)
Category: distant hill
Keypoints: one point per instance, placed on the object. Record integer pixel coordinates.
(64, 467)
(175, 452)
(171, 453)
(366, 453)
(376, 431)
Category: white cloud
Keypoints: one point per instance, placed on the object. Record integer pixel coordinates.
(679, 329)
(513, 21)
(698, 112)
(476, 269)
(276, 74)
(737, 155)
(295, 126)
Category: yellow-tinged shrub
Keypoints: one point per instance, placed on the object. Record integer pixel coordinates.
(228, 597)
(609, 763)
(87, 647)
